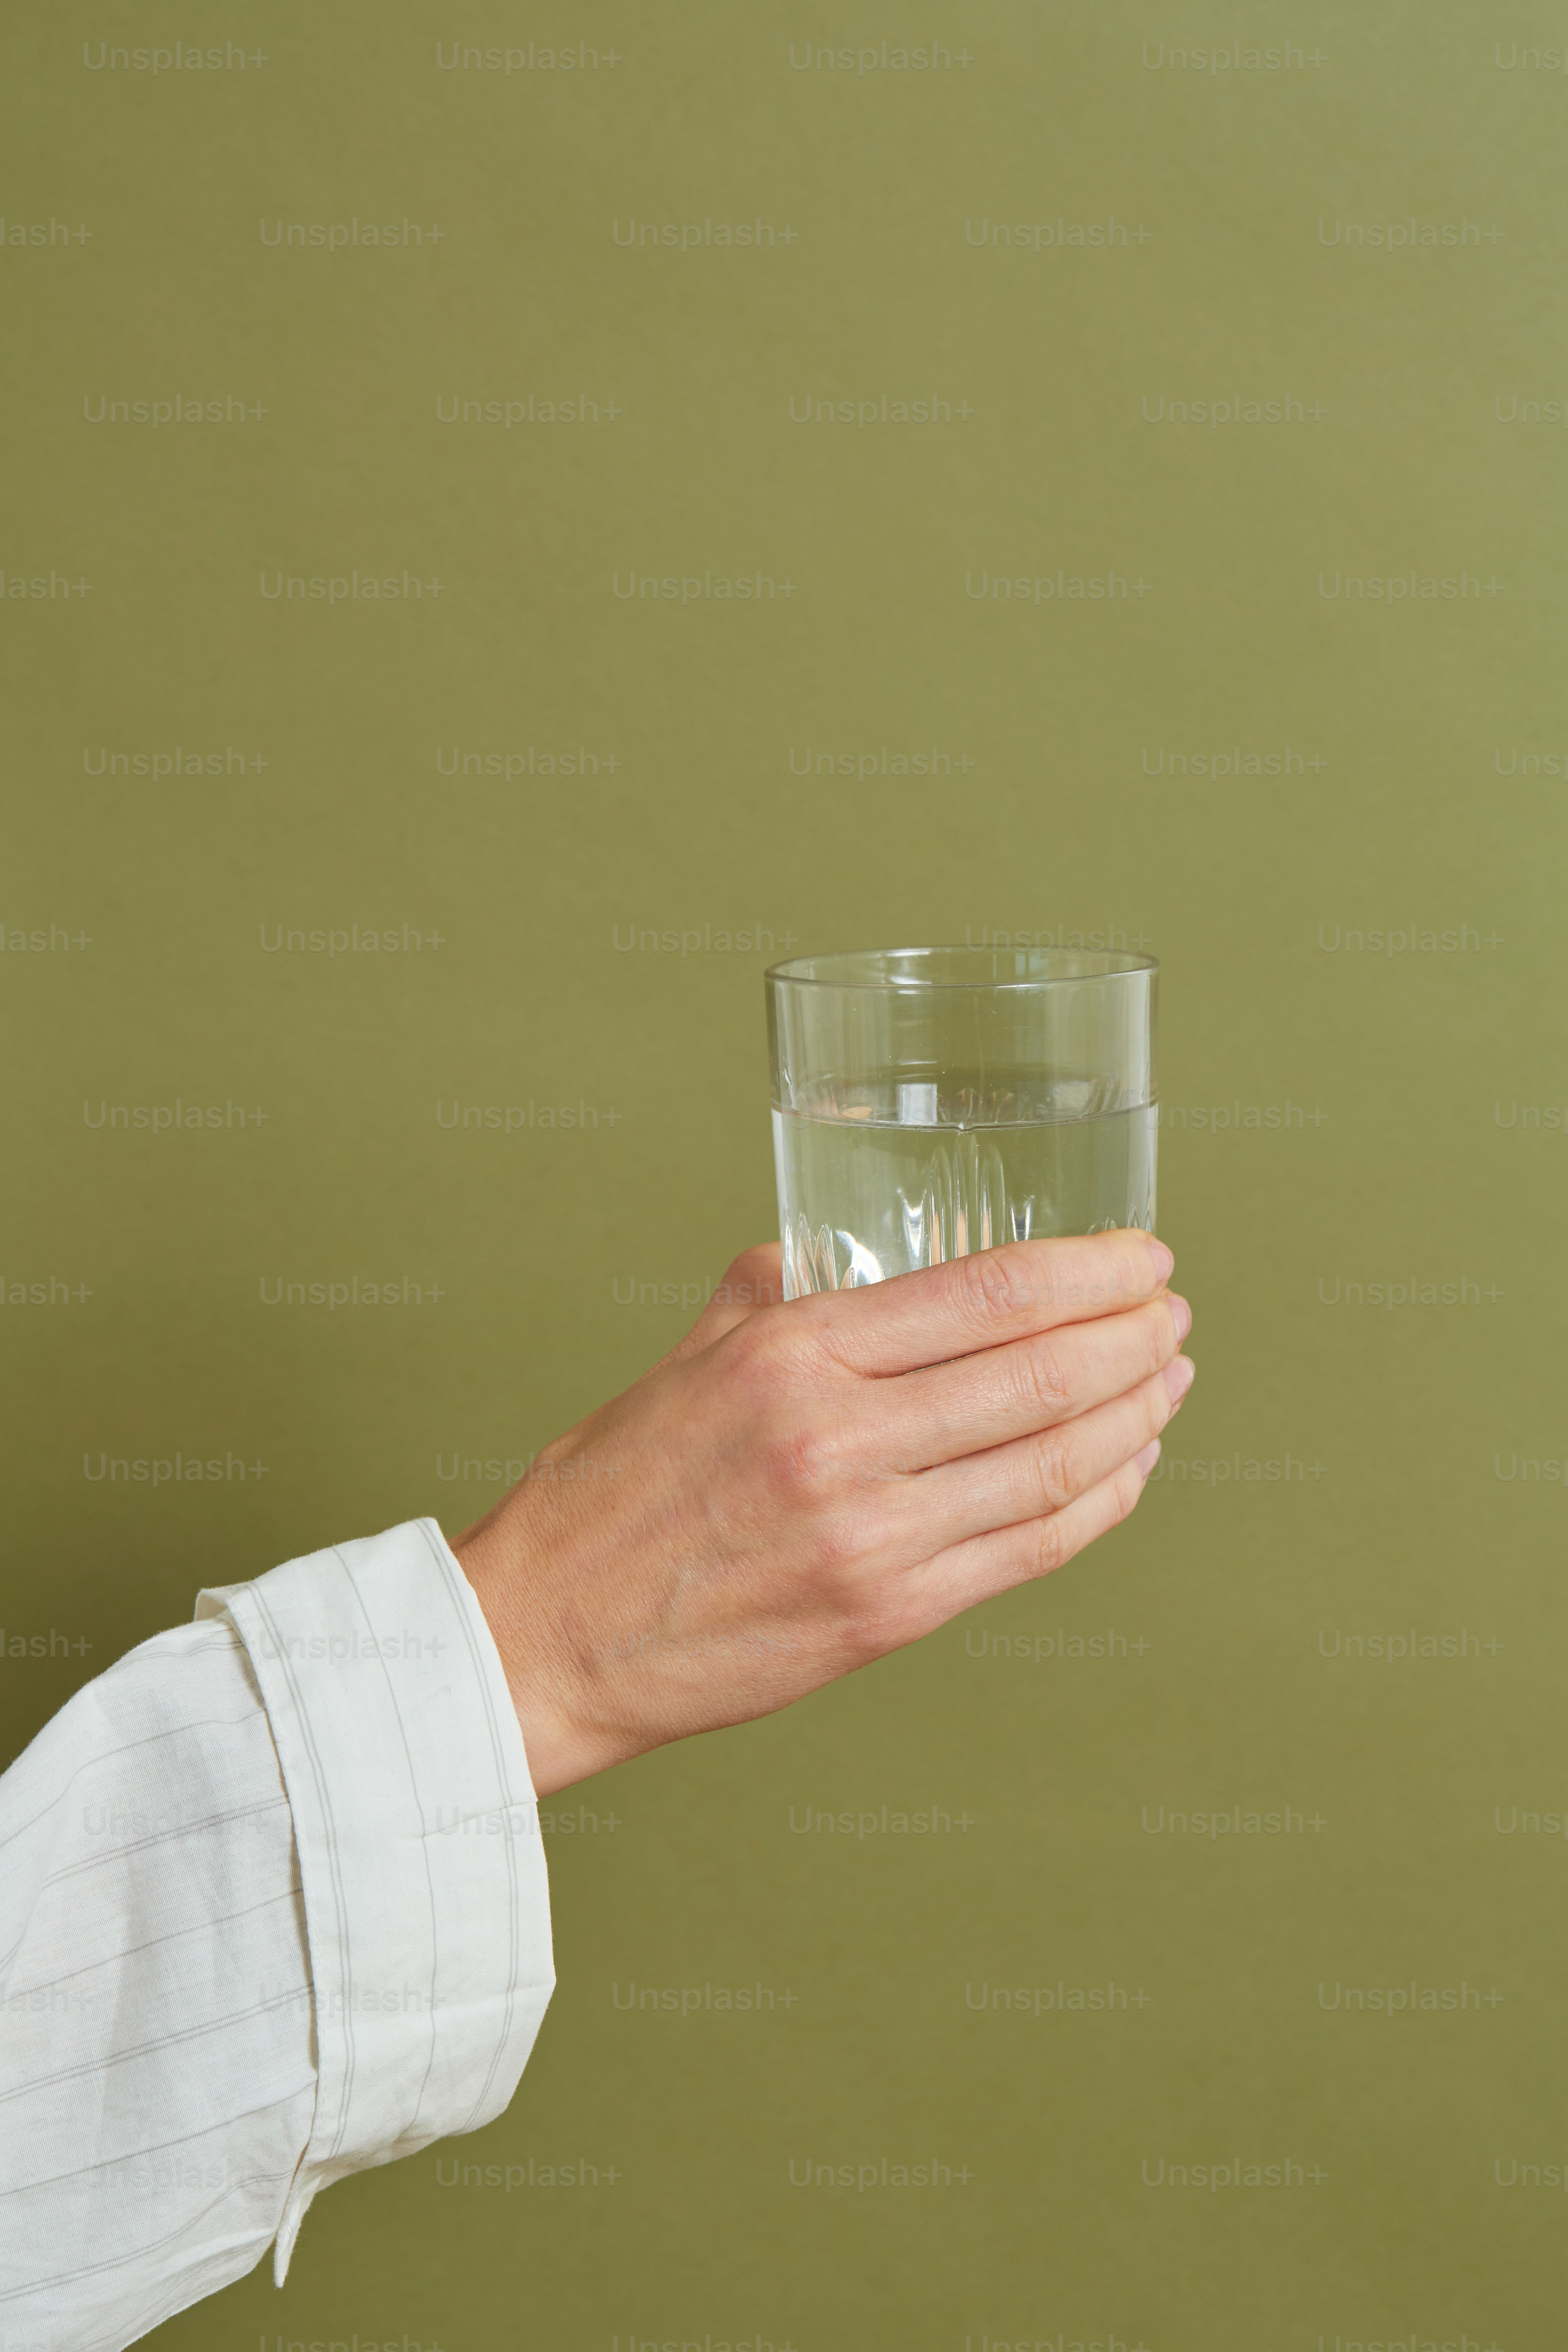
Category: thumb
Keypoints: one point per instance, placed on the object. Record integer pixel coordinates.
(754, 1280)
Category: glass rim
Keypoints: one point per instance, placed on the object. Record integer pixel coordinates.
(1116, 964)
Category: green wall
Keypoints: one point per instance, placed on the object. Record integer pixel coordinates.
(1349, 1472)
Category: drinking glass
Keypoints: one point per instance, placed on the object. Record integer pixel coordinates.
(931, 1101)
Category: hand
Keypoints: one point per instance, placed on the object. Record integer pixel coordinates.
(802, 1486)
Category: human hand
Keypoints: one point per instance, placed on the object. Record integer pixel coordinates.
(801, 1486)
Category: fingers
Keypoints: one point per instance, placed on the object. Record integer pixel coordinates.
(988, 1564)
(987, 1299)
(1012, 1485)
(946, 1410)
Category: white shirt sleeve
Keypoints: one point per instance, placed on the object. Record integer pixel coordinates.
(273, 1908)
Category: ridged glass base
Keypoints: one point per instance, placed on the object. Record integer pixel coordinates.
(862, 1199)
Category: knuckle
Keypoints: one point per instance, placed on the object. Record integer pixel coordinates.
(810, 1328)
(752, 1347)
(771, 1358)
(867, 1630)
(993, 1285)
(1051, 1549)
(797, 1460)
(814, 1465)
(1046, 1380)
(844, 1594)
(1055, 1466)
(837, 1550)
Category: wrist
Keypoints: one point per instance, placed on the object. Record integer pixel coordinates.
(560, 1750)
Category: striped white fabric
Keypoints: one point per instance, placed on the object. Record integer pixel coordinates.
(273, 1908)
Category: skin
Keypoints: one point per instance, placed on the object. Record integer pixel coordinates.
(801, 1486)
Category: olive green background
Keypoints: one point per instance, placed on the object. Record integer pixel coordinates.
(1410, 1510)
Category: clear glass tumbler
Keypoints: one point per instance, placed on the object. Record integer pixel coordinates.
(931, 1101)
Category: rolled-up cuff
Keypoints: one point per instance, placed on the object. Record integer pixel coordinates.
(427, 1900)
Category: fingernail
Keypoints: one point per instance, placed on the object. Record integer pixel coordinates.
(1164, 1259)
(1180, 1374)
(1182, 1315)
(1150, 1455)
